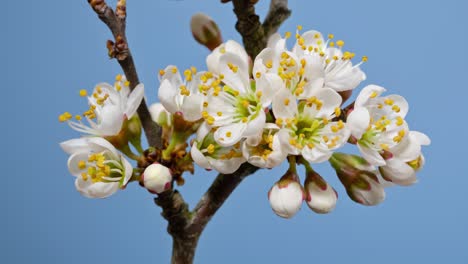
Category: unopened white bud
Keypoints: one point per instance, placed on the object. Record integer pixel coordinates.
(286, 197)
(320, 196)
(157, 178)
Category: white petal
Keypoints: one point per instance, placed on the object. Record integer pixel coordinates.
(365, 94)
(134, 100)
(255, 125)
(167, 96)
(74, 145)
(316, 154)
(398, 172)
(96, 190)
(330, 100)
(358, 121)
(236, 131)
(73, 161)
(98, 144)
(110, 120)
(422, 138)
(268, 84)
(401, 102)
(238, 80)
(372, 156)
(227, 166)
(198, 157)
(191, 107)
(128, 170)
(280, 108)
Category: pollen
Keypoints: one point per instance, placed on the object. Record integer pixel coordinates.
(205, 104)
(127, 83)
(78, 117)
(258, 74)
(286, 101)
(279, 121)
(388, 101)
(162, 72)
(259, 94)
(396, 108)
(65, 117)
(228, 134)
(365, 58)
(373, 94)
(219, 113)
(83, 93)
(340, 43)
(287, 34)
(299, 27)
(174, 70)
(332, 44)
(210, 149)
(269, 64)
(384, 146)
(316, 35)
(118, 78)
(81, 164)
(337, 111)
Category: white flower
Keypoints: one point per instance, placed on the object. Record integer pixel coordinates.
(313, 63)
(157, 178)
(264, 150)
(207, 153)
(100, 170)
(320, 196)
(309, 129)
(377, 123)
(406, 159)
(160, 115)
(110, 106)
(286, 196)
(181, 96)
(233, 104)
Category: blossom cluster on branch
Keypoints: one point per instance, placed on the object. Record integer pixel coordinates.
(283, 105)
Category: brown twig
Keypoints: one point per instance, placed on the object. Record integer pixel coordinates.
(115, 21)
(255, 35)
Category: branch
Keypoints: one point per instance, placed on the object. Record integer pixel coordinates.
(277, 14)
(255, 35)
(213, 199)
(115, 21)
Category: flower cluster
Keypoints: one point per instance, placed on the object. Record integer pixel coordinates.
(284, 104)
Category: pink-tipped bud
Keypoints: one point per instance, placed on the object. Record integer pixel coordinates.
(157, 178)
(205, 31)
(361, 184)
(286, 196)
(366, 189)
(320, 196)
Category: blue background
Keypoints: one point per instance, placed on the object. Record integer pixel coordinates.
(51, 49)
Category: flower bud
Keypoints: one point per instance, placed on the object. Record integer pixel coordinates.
(286, 195)
(156, 178)
(205, 31)
(366, 189)
(355, 173)
(320, 196)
